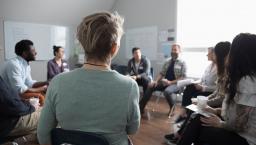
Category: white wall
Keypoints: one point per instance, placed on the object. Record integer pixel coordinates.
(142, 13)
(56, 12)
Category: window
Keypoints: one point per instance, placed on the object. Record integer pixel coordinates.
(203, 23)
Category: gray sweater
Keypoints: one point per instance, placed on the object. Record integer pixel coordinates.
(102, 102)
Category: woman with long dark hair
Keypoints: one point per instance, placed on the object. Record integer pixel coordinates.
(220, 53)
(237, 124)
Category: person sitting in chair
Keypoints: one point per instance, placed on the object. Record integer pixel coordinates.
(94, 98)
(18, 117)
(173, 70)
(17, 71)
(139, 68)
(57, 65)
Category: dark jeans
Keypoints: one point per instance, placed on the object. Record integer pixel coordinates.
(143, 81)
(191, 92)
(195, 133)
(147, 95)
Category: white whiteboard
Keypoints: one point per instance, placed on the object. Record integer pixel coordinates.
(43, 36)
(145, 38)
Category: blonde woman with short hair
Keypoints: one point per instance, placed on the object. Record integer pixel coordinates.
(94, 98)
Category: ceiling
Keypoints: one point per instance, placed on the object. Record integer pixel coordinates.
(67, 12)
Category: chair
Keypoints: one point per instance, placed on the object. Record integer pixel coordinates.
(60, 136)
(177, 94)
(122, 69)
(152, 73)
(175, 100)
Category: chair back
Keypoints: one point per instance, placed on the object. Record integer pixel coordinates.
(72, 137)
(152, 73)
(122, 69)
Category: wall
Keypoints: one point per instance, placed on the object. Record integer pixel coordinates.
(58, 12)
(142, 13)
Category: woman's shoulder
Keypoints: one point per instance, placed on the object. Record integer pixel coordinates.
(122, 78)
(246, 91)
(247, 84)
(51, 61)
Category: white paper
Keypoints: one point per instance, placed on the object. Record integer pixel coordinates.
(195, 108)
(185, 82)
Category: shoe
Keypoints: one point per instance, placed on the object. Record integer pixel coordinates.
(180, 118)
(170, 139)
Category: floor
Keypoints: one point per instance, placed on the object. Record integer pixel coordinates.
(153, 129)
(153, 126)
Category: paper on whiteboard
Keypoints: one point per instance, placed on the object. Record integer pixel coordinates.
(144, 38)
(43, 36)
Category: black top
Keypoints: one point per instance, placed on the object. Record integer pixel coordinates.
(143, 69)
(170, 72)
(11, 108)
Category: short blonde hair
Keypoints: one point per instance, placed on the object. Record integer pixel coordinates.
(98, 32)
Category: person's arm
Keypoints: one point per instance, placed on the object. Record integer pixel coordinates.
(217, 101)
(238, 124)
(50, 70)
(241, 119)
(36, 90)
(146, 68)
(11, 103)
(15, 78)
(40, 84)
(129, 67)
(209, 88)
(133, 121)
(47, 119)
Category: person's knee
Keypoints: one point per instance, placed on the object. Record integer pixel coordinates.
(167, 93)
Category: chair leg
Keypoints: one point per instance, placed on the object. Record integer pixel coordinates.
(171, 111)
(157, 101)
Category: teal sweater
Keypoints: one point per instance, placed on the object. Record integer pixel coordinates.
(103, 102)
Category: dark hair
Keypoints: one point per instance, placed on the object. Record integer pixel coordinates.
(56, 49)
(22, 46)
(221, 51)
(241, 62)
(135, 49)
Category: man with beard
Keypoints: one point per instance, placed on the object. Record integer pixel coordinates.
(17, 71)
(174, 69)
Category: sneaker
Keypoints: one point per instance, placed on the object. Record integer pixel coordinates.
(170, 139)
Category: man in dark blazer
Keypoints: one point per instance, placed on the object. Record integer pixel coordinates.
(17, 117)
(139, 68)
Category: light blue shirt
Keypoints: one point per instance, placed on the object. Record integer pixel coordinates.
(17, 73)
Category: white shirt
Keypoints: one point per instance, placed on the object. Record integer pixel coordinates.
(209, 78)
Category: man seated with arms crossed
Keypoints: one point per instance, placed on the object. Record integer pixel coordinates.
(139, 68)
(17, 72)
(18, 118)
(173, 70)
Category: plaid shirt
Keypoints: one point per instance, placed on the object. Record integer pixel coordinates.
(180, 68)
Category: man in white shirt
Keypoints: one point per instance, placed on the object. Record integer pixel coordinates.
(17, 72)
